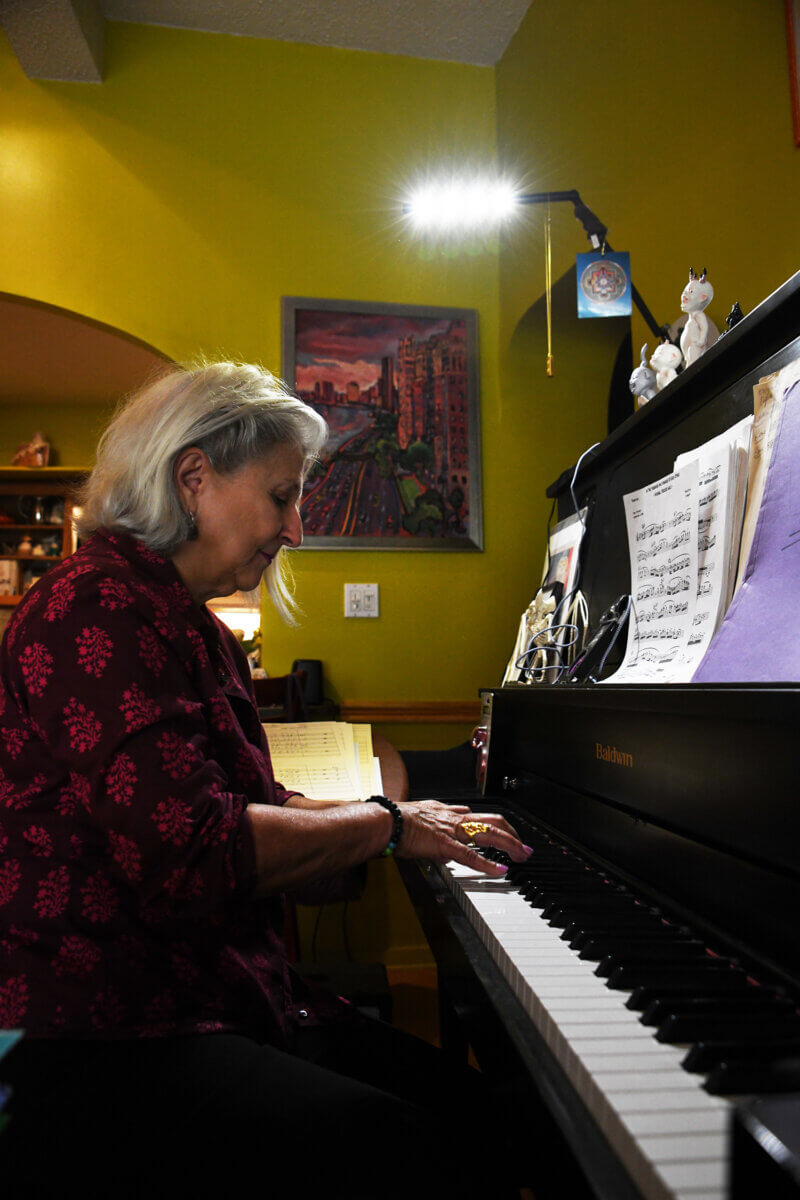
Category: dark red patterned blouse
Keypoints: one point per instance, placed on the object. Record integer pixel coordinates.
(130, 748)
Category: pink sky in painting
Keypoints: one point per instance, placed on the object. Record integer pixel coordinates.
(341, 346)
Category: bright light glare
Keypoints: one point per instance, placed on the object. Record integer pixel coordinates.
(461, 205)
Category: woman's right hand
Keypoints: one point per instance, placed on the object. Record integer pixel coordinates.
(435, 832)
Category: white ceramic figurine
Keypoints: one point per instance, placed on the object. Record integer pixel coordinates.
(665, 361)
(697, 295)
(643, 380)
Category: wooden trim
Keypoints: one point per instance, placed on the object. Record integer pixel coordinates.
(412, 712)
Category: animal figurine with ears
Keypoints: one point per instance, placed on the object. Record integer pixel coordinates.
(697, 295)
(665, 361)
(643, 380)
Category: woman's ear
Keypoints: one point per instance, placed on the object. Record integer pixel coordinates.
(191, 472)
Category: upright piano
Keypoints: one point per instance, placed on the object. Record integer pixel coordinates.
(633, 989)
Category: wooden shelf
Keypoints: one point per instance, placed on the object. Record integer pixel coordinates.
(32, 558)
(51, 483)
(45, 474)
(44, 525)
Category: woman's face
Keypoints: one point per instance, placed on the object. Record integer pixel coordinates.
(244, 518)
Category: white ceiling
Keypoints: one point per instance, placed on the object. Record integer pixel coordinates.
(63, 39)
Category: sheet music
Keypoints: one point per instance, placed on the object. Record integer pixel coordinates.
(720, 462)
(768, 396)
(306, 737)
(755, 642)
(324, 760)
(319, 780)
(661, 521)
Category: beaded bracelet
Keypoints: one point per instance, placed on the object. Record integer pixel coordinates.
(397, 823)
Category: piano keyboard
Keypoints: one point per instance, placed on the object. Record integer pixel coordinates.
(665, 1128)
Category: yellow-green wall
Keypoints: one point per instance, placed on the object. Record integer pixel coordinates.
(207, 177)
(71, 430)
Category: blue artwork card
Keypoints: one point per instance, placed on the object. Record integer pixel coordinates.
(604, 284)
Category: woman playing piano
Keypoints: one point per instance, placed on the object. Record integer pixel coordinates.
(146, 847)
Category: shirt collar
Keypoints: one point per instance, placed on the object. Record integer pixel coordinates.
(157, 569)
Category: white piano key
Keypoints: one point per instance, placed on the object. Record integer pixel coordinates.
(646, 1060)
(636, 1037)
(621, 1082)
(709, 1174)
(640, 1100)
(715, 1120)
(680, 1149)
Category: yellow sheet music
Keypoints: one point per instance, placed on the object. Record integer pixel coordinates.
(325, 760)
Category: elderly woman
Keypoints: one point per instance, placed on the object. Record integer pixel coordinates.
(145, 844)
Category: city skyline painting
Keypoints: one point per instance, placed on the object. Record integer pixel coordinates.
(397, 386)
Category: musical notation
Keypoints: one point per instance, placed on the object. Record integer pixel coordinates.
(680, 539)
(679, 532)
(665, 633)
(667, 609)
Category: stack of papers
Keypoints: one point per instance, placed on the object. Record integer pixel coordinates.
(757, 642)
(768, 396)
(684, 533)
(325, 760)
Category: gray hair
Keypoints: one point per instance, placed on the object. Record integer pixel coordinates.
(234, 412)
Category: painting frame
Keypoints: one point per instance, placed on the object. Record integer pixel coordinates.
(403, 420)
(792, 11)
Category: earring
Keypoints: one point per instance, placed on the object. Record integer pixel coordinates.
(192, 535)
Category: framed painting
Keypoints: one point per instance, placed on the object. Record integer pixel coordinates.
(792, 9)
(398, 387)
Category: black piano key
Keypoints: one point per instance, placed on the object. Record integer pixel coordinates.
(748, 1003)
(492, 854)
(560, 915)
(539, 895)
(628, 978)
(737, 1078)
(708, 1028)
(577, 933)
(600, 946)
(704, 1057)
(681, 953)
(566, 885)
(715, 983)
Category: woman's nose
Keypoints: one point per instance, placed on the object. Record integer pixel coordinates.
(292, 532)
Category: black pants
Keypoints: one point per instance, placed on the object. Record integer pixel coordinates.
(361, 1111)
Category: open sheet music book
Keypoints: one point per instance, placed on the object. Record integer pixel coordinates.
(324, 760)
(684, 533)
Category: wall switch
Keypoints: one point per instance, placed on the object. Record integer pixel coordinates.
(361, 600)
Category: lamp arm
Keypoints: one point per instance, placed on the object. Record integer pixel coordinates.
(596, 233)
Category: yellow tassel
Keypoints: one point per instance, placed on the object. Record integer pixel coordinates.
(548, 289)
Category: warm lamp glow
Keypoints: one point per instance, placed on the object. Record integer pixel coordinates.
(460, 204)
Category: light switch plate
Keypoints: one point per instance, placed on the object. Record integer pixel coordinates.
(361, 600)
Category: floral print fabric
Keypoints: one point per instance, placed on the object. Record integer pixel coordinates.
(130, 748)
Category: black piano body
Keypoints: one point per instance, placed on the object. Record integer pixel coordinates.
(685, 794)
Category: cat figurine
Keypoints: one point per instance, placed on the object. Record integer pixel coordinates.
(697, 295)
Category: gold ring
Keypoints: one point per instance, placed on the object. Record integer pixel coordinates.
(473, 828)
